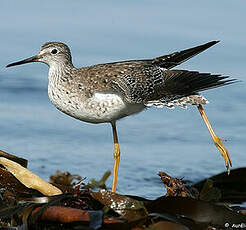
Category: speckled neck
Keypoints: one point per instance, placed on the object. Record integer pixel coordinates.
(60, 72)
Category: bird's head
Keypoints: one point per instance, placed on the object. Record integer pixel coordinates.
(51, 53)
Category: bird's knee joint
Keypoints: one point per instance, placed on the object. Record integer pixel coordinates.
(117, 154)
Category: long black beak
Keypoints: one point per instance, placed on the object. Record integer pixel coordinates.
(28, 60)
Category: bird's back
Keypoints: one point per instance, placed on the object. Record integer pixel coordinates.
(145, 82)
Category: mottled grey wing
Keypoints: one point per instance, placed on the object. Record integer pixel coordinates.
(151, 83)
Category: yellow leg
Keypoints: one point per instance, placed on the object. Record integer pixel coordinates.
(217, 141)
(116, 157)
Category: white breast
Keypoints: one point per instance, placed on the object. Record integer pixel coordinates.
(101, 107)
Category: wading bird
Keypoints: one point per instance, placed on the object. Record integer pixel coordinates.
(111, 91)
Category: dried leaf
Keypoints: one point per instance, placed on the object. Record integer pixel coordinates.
(68, 215)
(65, 178)
(29, 179)
(125, 206)
(63, 214)
(176, 187)
(197, 210)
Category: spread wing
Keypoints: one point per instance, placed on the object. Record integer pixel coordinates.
(142, 81)
(152, 83)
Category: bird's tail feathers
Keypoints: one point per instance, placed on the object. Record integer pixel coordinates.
(185, 82)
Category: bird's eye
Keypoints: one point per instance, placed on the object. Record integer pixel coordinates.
(54, 51)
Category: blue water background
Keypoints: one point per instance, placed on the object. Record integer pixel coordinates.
(174, 141)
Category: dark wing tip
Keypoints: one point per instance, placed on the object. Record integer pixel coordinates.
(206, 45)
(173, 59)
(215, 41)
(9, 65)
(212, 42)
(221, 81)
(231, 81)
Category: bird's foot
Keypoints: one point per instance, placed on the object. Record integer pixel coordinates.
(223, 151)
